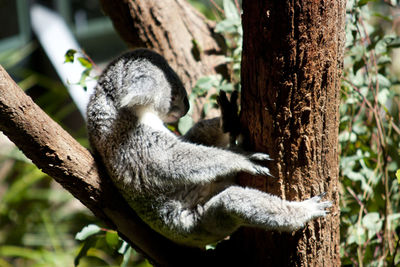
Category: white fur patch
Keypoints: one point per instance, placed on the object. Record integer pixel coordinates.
(150, 118)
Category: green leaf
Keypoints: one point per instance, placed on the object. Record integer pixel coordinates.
(227, 26)
(185, 123)
(394, 217)
(210, 247)
(398, 175)
(345, 136)
(87, 231)
(196, 50)
(85, 63)
(82, 82)
(230, 10)
(383, 81)
(205, 83)
(373, 223)
(112, 238)
(356, 234)
(227, 87)
(355, 176)
(364, 2)
(360, 128)
(383, 97)
(371, 220)
(393, 42)
(384, 59)
(207, 106)
(70, 55)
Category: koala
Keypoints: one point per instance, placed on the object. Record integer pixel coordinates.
(182, 187)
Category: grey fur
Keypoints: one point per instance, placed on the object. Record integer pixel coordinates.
(183, 190)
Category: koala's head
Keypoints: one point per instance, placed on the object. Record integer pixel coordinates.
(143, 79)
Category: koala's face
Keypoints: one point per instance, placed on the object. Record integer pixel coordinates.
(179, 103)
(179, 106)
(178, 100)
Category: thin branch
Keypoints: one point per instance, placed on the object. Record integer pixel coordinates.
(217, 7)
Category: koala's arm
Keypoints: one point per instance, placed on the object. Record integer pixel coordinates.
(197, 164)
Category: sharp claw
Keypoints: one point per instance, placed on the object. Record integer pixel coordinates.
(322, 195)
(260, 157)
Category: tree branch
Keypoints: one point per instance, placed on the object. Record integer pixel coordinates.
(59, 155)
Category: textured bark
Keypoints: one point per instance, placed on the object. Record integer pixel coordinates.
(291, 69)
(59, 155)
(174, 29)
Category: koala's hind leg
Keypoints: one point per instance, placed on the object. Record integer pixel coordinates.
(251, 207)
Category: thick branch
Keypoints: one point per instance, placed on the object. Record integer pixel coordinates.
(59, 155)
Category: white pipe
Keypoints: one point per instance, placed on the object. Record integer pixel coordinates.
(56, 39)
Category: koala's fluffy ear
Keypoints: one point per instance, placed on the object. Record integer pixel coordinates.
(141, 92)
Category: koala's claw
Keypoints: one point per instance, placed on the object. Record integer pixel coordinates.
(319, 197)
(260, 170)
(319, 207)
(260, 157)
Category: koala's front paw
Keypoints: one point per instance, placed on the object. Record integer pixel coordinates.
(316, 207)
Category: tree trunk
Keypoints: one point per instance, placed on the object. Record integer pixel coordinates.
(291, 70)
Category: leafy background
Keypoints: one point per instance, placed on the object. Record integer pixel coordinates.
(43, 225)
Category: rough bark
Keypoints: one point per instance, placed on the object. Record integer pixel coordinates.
(59, 155)
(291, 69)
(176, 30)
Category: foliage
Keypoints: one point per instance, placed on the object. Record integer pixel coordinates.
(85, 62)
(208, 87)
(369, 137)
(99, 242)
